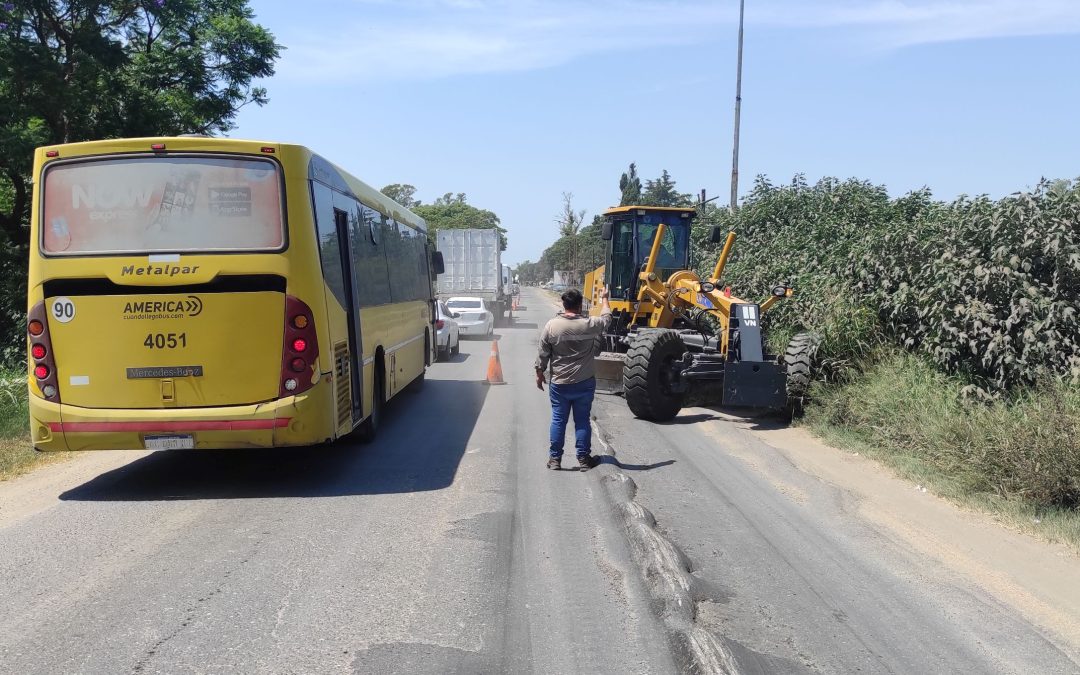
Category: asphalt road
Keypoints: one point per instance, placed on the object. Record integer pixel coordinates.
(443, 547)
(447, 547)
(795, 570)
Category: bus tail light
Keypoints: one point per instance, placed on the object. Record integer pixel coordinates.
(41, 356)
(300, 348)
(440, 324)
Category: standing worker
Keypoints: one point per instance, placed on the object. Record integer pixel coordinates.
(567, 345)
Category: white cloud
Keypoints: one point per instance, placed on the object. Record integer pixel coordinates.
(430, 39)
(417, 39)
(896, 23)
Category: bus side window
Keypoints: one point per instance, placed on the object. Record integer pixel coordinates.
(368, 259)
(329, 249)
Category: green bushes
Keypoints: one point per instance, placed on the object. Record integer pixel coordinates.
(1027, 448)
(950, 331)
(987, 289)
(13, 405)
(993, 288)
(16, 452)
(12, 307)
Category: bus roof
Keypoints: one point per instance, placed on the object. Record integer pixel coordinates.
(337, 177)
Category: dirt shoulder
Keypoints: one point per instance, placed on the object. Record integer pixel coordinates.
(41, 488)
(1039, 579)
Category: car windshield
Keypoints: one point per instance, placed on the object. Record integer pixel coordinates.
(465, 304)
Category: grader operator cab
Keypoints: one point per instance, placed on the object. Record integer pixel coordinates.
(676, 339)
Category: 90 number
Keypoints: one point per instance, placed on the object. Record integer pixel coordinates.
(165, 340)
(63, 309)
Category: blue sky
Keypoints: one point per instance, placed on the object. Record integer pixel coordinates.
(516, 102)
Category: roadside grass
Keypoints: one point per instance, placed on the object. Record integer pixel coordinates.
(17, 454)
(1017, 459)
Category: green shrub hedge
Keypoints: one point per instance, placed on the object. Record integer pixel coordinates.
(989, 289)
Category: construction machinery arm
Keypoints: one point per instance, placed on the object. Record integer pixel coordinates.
(684, 289)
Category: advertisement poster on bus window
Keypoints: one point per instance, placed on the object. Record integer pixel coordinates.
(162, 204)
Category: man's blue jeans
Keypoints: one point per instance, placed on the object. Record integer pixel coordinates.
(567, 398)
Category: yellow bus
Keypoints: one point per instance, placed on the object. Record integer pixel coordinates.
(215, 293)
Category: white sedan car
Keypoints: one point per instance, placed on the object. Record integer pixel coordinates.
(473, 318)
(448, 336)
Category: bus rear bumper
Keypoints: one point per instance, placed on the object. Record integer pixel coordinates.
(305, 419)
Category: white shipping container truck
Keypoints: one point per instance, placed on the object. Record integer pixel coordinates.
(473, 268)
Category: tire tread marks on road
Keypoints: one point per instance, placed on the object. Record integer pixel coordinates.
(668, 573)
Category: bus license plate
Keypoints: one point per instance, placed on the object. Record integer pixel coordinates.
(169, 442)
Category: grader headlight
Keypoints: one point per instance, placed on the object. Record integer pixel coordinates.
(782, 290)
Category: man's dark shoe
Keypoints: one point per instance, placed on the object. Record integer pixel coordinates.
(555, 463)
(586, 462)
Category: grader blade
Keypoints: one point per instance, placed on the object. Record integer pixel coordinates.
(609, 372)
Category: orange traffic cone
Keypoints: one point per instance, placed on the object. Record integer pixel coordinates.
(494, 371)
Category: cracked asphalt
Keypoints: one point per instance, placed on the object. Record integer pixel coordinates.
(443, 547)
(446, 547)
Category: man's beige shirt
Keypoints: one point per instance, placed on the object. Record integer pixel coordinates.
(568, 344)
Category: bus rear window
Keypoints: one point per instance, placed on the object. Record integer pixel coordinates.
(162, 204)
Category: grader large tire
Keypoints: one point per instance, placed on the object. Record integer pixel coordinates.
(647, 376)
(799, 359)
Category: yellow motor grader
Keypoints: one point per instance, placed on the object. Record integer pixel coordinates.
(676, 339)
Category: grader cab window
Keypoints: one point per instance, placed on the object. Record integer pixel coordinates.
(631, 240)
(674, 247)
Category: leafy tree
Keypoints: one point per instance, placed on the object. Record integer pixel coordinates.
(662, 192)
(591, 248)
(569, 220)
(580, 252)
(532, 272)
(453, 212)
(560, 255)
(450, 198)
(402, 193)
(74, 71)
(563, 253)
(630, 186)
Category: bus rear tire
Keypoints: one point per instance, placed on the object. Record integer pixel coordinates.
(369, 427)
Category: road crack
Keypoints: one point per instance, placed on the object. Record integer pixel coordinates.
(667, 571)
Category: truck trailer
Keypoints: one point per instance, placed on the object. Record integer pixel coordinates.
(474, 268)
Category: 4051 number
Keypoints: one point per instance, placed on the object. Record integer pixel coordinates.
(165, 340)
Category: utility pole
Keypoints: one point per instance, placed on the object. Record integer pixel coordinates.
(738, 112)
